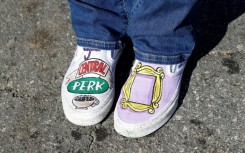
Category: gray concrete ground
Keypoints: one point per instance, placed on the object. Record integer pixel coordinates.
(37, 44)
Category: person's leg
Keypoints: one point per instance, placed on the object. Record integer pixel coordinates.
(163, 40)
(98, 24)
(88, 86)
(161, 30)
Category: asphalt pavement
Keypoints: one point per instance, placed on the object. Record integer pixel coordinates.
(37, 44)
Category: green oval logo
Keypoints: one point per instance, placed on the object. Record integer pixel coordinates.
(88, 85)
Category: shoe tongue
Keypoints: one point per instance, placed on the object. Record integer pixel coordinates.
(85, 53)
(90, 52)
(175, 69)
(114, 54)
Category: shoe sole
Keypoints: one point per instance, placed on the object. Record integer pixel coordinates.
(147, 127)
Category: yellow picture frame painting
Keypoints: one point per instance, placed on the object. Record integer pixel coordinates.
(157, 89)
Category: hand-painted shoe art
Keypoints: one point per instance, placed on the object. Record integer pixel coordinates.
(148, 99)
(88, 86)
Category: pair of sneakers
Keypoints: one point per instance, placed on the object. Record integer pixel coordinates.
(147, 100)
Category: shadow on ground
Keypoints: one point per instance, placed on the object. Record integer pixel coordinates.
(213, 20)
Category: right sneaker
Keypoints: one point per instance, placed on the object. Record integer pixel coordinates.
(148, 98)
(88, 87)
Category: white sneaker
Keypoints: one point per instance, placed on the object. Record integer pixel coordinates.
(88, 86)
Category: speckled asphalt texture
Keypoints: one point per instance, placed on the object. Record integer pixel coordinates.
(36, 47)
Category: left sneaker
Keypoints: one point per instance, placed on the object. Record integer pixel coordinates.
(88, 87)
(148, 99)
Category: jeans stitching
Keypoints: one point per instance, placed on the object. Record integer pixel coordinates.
(125, 9)
(160, 56)
(125, 12)
(99, 41)
(159, 61)
(136, 6)
(162, 60)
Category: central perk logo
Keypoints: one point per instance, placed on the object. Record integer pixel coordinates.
(92, 77)
(93, 66)
(88, 85)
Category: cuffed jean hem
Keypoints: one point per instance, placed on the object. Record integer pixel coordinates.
(160, 59)
(99, 44)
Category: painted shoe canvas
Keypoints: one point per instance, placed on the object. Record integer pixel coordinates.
(88, 86)
(148, 99)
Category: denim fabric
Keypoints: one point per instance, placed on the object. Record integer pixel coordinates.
(160, 30)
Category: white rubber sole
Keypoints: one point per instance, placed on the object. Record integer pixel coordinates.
(147, 127)
(86, 118)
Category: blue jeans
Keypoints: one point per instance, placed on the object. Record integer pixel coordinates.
(160, 30)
